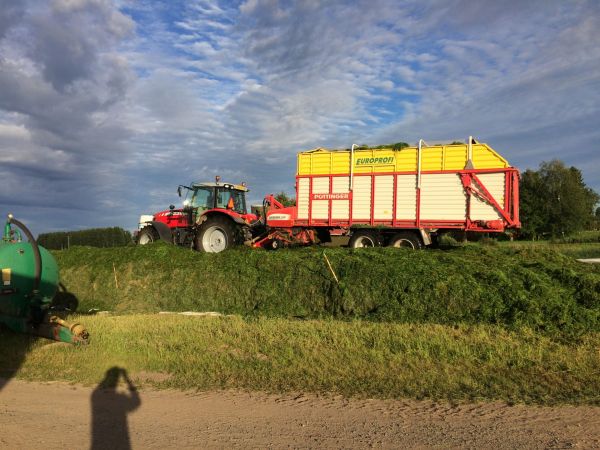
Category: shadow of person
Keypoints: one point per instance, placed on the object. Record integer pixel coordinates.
(110, 406)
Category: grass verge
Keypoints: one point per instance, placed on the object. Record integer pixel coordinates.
(353, 358)
(571, 249)
(518, 287)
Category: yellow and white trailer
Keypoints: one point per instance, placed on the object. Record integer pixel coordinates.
(397, 196)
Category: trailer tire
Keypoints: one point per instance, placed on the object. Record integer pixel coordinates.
(147, 235)
(276, 244)
(215, 235)
(405, 239)
(365, 238)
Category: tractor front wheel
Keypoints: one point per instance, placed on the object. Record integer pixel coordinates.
(147, 235)
(215, 235)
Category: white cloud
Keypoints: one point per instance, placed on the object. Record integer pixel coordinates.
(116, 102)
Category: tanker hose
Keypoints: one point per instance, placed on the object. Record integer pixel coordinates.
(36, 252)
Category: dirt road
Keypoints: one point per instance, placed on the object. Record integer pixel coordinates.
(36, 415)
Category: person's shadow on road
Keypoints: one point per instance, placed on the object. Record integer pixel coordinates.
(109, 411)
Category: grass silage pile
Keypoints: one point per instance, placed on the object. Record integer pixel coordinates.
(514, 287)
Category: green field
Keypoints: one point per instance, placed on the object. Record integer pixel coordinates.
(518, 322)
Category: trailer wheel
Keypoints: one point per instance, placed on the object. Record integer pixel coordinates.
(215, 235)
(147, 235)
(405, 239)
(276, 244)
(365, 238)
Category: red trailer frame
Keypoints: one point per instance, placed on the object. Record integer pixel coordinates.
(285, 226)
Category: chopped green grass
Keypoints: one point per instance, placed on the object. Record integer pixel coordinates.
(353, 358)
(513, 286)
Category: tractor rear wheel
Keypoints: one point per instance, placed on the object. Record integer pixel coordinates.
(147, 235)
(365, 238)
(215, 235)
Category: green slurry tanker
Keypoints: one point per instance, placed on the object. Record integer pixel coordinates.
(29, 283)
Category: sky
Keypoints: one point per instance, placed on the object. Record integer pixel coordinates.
(107, 105)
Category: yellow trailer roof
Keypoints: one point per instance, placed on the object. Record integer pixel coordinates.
(321, 161)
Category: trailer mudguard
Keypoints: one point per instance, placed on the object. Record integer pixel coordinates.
(164, 232)
(232, 215)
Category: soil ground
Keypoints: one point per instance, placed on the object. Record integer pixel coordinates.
(57, 415)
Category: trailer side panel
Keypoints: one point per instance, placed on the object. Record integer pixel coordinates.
(391, 188)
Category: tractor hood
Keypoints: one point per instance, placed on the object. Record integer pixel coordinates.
(173, 218)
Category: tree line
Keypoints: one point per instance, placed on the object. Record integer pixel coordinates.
(555, 202)
(93, 237)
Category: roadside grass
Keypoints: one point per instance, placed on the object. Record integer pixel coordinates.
(571, 249)
(583, 237)
(352, 358)
(514, 285)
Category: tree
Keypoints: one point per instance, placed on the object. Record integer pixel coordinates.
(285, 200)
(555, 200)
(94, 237)
(531, 210)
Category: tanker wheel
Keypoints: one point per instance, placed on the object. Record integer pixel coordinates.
(405, 239)
(364, 239)
(215, 235)
(147, 235)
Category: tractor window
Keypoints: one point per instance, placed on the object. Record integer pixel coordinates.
(203, 198)
(228, 197)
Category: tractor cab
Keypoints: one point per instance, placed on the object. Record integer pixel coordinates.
(201, 197)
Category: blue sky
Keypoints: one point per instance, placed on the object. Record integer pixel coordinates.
(106, 106)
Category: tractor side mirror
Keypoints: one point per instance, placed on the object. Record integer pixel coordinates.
(179, 190)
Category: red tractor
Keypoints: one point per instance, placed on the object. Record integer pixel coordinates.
(213, 218)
